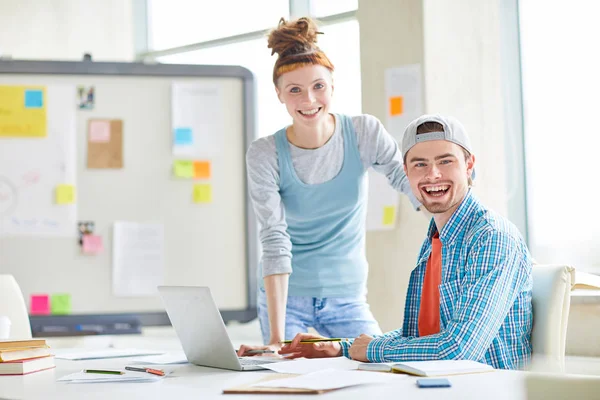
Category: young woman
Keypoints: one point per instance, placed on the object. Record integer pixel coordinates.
(308, 185)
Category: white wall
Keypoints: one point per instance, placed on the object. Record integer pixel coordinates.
(458, 45)
(66, 29)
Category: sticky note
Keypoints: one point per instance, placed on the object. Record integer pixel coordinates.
(202, 193)
(183, 169)
(39, 304)
(99, 131)
(60, 303)
(65, 194)
(396, 105)
(202, 169)
(389, 215)
(34, 99)
(183, 136)
(92, 244)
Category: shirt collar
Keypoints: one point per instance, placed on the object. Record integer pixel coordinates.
(456, 222)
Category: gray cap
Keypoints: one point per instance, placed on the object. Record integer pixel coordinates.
(453, 132)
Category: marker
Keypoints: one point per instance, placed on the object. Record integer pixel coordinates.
(102, 371)
(148, 370)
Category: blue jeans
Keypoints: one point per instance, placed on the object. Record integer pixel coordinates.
(343, 317)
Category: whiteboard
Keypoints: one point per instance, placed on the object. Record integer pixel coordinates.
(211, 244)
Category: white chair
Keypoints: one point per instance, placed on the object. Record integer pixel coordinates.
(551, 298)
(13, 306)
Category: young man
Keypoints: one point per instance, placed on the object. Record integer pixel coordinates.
(470, 295)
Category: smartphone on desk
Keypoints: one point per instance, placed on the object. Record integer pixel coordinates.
(433, 383)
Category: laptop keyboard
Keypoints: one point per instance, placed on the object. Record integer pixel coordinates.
(251, 361)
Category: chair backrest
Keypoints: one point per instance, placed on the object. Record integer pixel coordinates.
(551, 298)
(13, 306)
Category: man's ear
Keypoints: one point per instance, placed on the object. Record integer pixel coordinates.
(470, 165)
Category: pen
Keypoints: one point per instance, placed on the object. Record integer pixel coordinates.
(102, 371)
(148, 370)
(318, 340)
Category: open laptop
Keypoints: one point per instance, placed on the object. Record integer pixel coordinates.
(200, 328)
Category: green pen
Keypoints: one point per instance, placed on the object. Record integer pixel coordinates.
(102, 371)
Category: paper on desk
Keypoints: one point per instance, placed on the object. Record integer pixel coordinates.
(164, 359)
(308, 365)
(104, 353)
(128, 376)
(331, 379)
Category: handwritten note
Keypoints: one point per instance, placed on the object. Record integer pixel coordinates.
(92, 244)
(23, 111)
(138, 258)
(39, 304)
(202, 169)
(183, 136)
(60, 303)
(183, 169)
(389, 215)
(99, 131)
(65, 194)
(202, 193)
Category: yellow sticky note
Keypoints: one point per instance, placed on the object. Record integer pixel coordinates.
(389, 215)
(183, 169)
(396, 106)
(202, 169)
(65, 194)
(203, 193)
(23, 111)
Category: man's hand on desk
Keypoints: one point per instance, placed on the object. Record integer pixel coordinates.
(358, 350)
(295, 349)
(268, 350)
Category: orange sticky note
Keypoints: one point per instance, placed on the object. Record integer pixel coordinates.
(202, 193)
(389, 215)
(202, 169)
(65, 194)
(396, 105)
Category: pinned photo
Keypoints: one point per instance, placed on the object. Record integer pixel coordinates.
(85, 97)
(85, 228)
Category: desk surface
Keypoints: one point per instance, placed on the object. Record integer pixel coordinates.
(193, 382)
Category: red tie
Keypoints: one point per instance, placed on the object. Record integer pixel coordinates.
(429, 313)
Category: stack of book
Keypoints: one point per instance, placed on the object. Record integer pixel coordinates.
(21, 357)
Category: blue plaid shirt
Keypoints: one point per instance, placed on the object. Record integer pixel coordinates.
(485, 296)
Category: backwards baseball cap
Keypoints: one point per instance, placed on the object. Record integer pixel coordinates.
(453, 131)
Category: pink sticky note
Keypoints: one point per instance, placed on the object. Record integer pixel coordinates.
(40, 304)
(92, 244)
(100, 131)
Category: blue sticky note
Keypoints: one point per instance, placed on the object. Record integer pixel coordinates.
(34, 99)
(183, 136)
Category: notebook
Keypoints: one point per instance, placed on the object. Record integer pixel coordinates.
(441, 367)
(23, 353)
(16, 344)
(26, 366)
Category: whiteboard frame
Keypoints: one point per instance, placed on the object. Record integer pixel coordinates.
(139, 69)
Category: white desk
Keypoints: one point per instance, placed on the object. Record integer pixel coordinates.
(193, 382)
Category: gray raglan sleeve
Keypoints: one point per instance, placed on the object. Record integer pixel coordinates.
(263, 186)
(379, 150)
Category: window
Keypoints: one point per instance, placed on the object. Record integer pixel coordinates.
(175, 23)
(325, 8)
(562, 135)
(340, 42)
